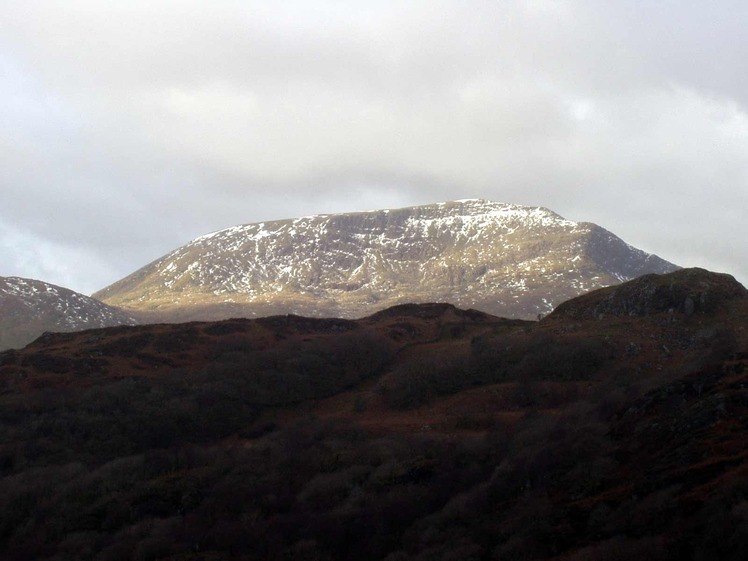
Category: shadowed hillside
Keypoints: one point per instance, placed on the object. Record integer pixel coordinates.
(615, 428)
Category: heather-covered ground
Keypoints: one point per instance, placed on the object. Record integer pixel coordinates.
(615, 428)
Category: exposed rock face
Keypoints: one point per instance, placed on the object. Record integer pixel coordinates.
(688, 291)
(30, 307)
(503, 259)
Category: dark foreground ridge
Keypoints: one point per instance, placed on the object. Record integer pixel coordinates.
(687, 291)
(616, 428)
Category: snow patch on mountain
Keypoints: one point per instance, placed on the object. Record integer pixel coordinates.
(470, 251)
(29, 307)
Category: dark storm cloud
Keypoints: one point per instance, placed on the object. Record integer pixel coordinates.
(130, 128)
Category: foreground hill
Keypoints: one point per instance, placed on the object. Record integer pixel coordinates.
(503, 259)
(30, 307)
(615, 428)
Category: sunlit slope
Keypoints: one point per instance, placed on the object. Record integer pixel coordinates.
(504, 259)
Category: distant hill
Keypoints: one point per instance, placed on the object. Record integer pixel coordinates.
(615, 428)
(30, 307)
(503, 259)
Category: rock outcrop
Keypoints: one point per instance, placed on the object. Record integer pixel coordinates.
(688, 291)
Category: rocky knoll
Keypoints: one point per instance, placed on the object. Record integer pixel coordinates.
(688, 291)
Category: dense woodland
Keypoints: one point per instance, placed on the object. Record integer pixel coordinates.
(614, 429)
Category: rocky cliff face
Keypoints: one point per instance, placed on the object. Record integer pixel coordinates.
(503, 259)
(30, 307)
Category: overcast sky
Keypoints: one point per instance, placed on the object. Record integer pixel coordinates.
(129, 128)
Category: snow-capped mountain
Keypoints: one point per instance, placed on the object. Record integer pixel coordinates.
(504, 259)
(30, 307)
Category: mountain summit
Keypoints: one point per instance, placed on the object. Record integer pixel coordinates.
(504, 259)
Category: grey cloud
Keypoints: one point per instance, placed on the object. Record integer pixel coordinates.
(129, 128)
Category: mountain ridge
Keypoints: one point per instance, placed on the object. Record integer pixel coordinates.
(504, 259)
